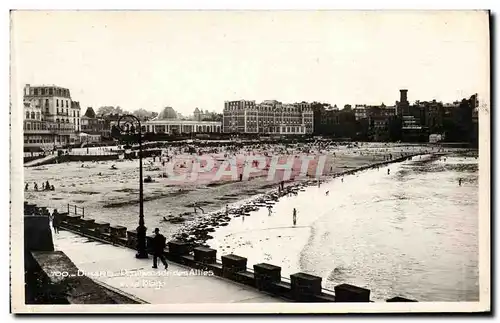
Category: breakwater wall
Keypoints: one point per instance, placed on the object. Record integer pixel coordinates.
(300, 287)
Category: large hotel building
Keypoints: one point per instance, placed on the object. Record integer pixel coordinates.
(51, 118)
(268, 117)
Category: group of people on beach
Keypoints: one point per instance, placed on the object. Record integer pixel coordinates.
(45, 186)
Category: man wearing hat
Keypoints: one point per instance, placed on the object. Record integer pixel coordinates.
(158, 246)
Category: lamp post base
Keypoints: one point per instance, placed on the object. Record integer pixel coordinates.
(141, 243)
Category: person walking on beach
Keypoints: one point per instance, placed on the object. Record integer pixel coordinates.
(327, 193)
(388, 171)
(269, 209)
(159, 243)
(294, 216)
(459, 182)
(35, 185)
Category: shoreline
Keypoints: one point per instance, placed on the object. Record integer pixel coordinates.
(197, 231)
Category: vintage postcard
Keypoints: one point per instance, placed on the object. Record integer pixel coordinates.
(250, 161)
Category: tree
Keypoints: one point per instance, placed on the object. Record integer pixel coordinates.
(106, 110)
(143, 114)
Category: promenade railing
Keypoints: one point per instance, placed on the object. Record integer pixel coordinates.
(76, 210)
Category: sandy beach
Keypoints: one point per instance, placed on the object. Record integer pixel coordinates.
(111, 195)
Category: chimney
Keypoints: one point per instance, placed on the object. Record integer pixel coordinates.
(404, 96)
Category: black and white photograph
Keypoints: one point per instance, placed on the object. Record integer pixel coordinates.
(250, 161)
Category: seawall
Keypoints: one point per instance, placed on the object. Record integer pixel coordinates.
(300, 287)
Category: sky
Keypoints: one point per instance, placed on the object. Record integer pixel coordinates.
(150, 60)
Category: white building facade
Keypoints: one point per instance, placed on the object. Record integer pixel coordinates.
(51, 118)
(175, 126)
(268, 117)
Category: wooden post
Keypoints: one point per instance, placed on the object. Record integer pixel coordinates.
(76, 212)
(68, 208)
(83, 212)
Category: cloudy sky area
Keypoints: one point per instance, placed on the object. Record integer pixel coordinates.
(200, 59)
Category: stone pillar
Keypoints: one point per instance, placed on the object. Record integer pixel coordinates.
(305, 286)
(117, 231)
(178, 248)
(101, 227)
(350, 293)
(232, 264)
(265, 275)
(88, 223)
(205, 255)
(73, 219)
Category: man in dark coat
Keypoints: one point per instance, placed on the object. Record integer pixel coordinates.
(159, 242)
(56, 221)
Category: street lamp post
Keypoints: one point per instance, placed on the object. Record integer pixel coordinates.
(126, 125)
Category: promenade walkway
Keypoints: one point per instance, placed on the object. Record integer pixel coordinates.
(118, 268)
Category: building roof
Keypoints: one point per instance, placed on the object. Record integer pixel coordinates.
(90, 113)
(167, 113)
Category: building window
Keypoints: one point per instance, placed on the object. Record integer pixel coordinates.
(57, 102)
(66, 103)
(27, 115)
(32, 115)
